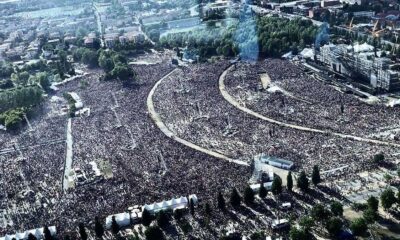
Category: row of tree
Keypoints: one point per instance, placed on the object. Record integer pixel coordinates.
(20, 97)
(116, 67)
(261, 36)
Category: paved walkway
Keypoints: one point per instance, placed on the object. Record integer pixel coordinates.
(68, 157)
(235, 103)
(160, 124)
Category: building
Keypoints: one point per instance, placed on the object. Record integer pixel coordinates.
(77, 100)
(352, 2)
(329, 3)
(183, 23)
(90, 40)
(133, 215)
(256, 187)
(359, 62)
(110, 39)
(275, 162)
(280, 224)
(367, 14)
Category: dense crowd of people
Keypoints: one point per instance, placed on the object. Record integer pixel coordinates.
(148, 166)
(190, 104)
(305, 101)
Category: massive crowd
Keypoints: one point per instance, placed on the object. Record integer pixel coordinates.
(32, 161)
(191, 105)
(147, 166)
(308, 102)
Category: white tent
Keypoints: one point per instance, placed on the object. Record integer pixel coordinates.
(22, 235)
(171, 204)
(307, 53)
(365, 47)
(9, 237)
(122, 219)
(194, 198)
(38, 233)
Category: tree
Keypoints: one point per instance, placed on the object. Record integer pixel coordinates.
(263, 191)
(289, 181)
(319, 213)
(31, 237)
(373, 203)
(191, 206)
(23, 78)
(122, 72)
(316, 178)
(298, 234)
(67, 237)
(43, 79)
(98, 228)
(162, 219)
(235, 198)
(337, 209)
(359, 226)
(370, 215)
(302, 182)
(276, 187)
(47, 233)
(178, 214)
(248, 195)
(306, 223)
(106, 62)
(89, 57)
(78, 53)
(387, 177)
(154, 233)
(146, 217)
(82, 232)
(334, 226)
(379, 158)
(208, 209)
(221, 201)
(6, 69)
(398, 197)
(114, 226)
(388, 199)
(260, 235)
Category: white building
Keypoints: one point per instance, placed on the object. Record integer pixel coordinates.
(124, 219)
(280, 223)
(256, 187)
(276, 162)
(77, 99)
(173, 204)
(134, 214)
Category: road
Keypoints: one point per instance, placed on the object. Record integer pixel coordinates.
(68, 156)
(236, 104)
(160, 124)
(99, 24)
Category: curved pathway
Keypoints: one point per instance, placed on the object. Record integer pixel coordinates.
(236, 104)
(160, 124)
